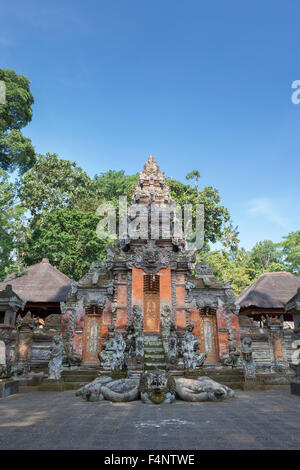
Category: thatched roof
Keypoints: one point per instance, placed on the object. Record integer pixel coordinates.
(41, 282)
(270, 290)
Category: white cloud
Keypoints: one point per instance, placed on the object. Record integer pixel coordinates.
(266, 208)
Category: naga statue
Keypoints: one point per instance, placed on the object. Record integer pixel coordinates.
(202, 389)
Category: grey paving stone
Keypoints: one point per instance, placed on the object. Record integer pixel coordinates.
(53, 420)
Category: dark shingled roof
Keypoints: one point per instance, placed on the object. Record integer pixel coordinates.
(41, 282)
(270, 290)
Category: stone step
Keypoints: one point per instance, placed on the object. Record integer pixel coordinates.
(74, 385)
(157, 349)
(217, 372)
(160, 360)
(66, 373)
(79, 378)
(153, 365)
(152, 340)
(154, 356)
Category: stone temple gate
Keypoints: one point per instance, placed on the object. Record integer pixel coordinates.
(152, 290)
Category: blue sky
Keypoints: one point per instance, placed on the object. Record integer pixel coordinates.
(199, 84)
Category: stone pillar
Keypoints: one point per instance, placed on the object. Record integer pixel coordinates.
(121, 306)
(25, 328)
(222, 330)
(275, 330)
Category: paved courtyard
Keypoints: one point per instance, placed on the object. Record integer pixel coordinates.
(51, 420)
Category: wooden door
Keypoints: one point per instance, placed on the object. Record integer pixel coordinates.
(209, 340)
(151, 304)
(92, 338)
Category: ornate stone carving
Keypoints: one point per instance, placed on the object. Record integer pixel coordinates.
(137, 319)
(149, 257)
(172, 345)
(25, 327)
(203, 269)
(233, 357)
(70, 359)
(152, 184)
(202, 389)
(157, 387)
(97, 269)
(55, 362)
(121, 390)
(139, 348)
(165, 324)
(92, 390)
(112, 355)
(189, 348)
(249, 364)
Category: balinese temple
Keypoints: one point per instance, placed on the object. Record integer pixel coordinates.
(151, 288)
(153, 275)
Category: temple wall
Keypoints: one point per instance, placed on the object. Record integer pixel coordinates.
(265, 349)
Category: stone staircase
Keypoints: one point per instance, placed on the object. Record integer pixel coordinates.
(76, 378)
(154, 353)
(233, 378)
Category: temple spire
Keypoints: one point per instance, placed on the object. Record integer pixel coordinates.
(152, 184)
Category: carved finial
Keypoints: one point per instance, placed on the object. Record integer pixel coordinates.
(152, 184)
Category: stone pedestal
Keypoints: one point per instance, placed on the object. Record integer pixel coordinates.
(9, 387)
(49, 385)
(295, 388)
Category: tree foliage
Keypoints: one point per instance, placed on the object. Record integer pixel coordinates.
(16, 151)
(68, 238)
(54, 183)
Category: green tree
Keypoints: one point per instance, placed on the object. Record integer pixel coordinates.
(193, 175)
(113, 184)
(230, 240)
(228, 270)
(266, 256)
(215, 215)
(16, 151)
(54, 183)
(291, 251)
(11, 227)
(68, 238)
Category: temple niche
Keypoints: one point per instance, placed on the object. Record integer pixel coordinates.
(151, 306)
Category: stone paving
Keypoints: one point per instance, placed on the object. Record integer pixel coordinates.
(52, 420)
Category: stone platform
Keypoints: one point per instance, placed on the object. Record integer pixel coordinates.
(8, 387)
(295, 388)
(51, 420)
